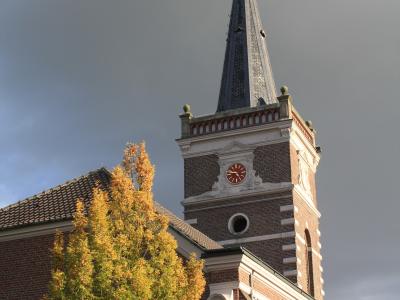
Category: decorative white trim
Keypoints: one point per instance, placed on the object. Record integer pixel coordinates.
(185, 246)
(303, 176)
(322, 292)
(245, 288)
(316, 253)
(299, 237)
(286, 208)
(318, 232)
(290, 260)
(34, 230)
(224, 289)
(230, 223)
(253, 136)
(301, 143)
(289, 221)
(319, 245)
(191, 221)
(321, 269)
(252, 186)
(282, 235)
(233, 201)
(322, 280)
(290, 247)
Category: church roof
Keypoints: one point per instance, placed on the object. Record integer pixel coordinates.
(247, 79)
(58, 204)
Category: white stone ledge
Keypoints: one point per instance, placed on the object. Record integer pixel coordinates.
(289, 221)
(283, 235)
(289, 247)
(287, 208)
(191, 221)
(290, 260)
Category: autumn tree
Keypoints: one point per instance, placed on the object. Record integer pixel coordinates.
(122, 249)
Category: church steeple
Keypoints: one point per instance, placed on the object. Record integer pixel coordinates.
(247, 79)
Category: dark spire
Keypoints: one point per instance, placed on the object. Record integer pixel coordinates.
(247, 79)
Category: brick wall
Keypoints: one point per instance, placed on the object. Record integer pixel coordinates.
(264, 217)
(260, 287)
(272, 162)
(308, 220)
(25, 268)
(200, 174)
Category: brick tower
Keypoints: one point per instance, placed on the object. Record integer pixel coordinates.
(250, 167)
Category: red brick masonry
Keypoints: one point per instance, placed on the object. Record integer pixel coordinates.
(25, 266)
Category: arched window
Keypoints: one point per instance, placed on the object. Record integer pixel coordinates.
(309, 264)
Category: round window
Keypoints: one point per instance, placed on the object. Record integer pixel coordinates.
(238, 224)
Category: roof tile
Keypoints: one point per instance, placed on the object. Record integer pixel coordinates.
(58, 204)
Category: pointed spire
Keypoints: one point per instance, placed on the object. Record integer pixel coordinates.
(247, 79)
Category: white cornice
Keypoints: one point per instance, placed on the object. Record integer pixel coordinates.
(241, 131)
(282, 235)
(223, 262)
(252, 137)
(34, 230)
(263, 189)
(233, 203)
(306, 143)
(185, 247)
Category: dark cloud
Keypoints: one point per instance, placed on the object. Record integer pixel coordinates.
(79, 79)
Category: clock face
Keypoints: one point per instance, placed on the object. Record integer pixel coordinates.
(236, 173)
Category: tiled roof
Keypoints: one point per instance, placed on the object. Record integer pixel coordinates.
(58, 204)
(188, 231)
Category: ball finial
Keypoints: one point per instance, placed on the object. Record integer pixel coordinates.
(284, 90)
(186, 108)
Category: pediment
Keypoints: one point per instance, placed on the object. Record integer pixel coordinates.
(235, 147)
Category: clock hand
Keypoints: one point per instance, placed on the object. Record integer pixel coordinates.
(233, 172)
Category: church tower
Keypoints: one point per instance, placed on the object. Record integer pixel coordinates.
(250, 168)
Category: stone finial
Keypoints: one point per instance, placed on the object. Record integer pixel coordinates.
(186, 109)
(185, 121)
(285, 101)
(310, 125)
(284, 90)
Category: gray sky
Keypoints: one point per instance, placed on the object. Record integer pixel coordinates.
(78, 79)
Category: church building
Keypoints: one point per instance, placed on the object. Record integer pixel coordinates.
(250, 203)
